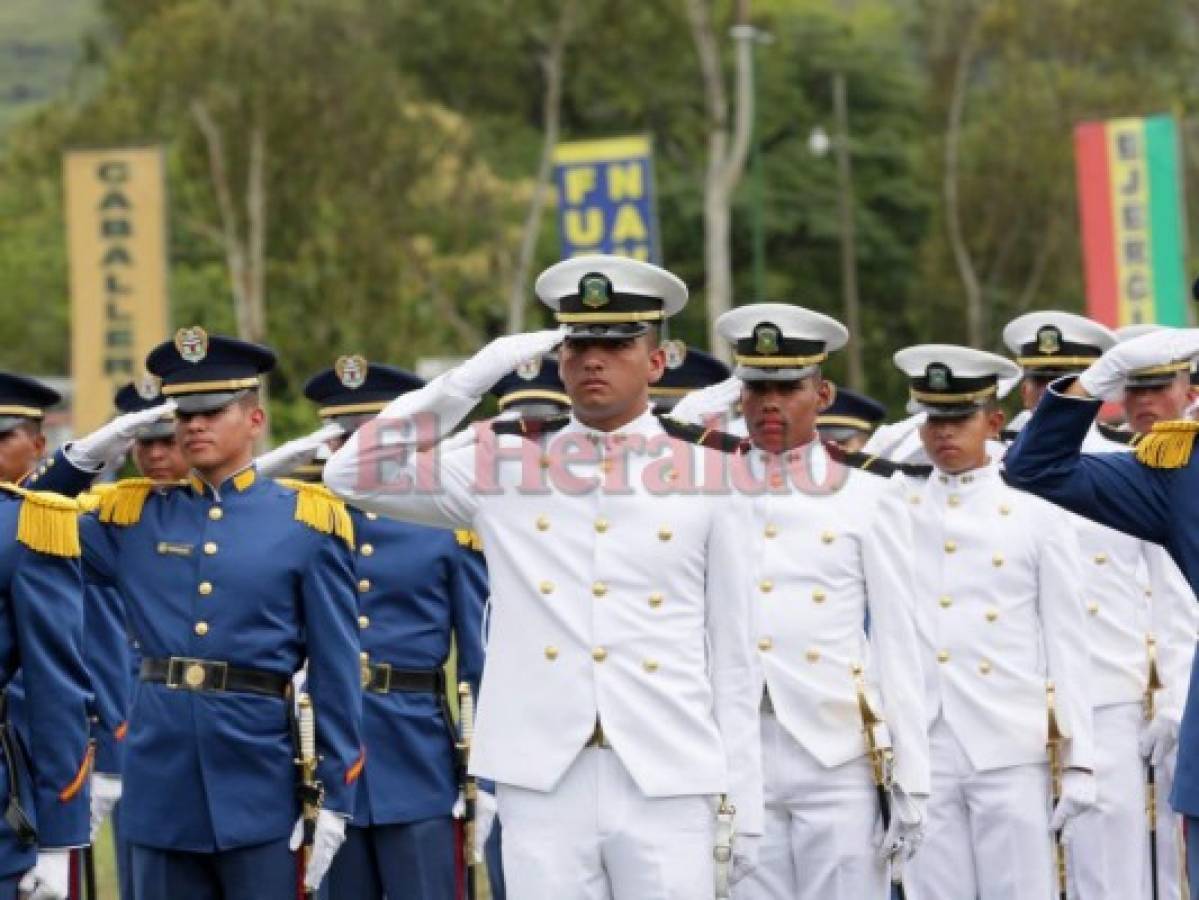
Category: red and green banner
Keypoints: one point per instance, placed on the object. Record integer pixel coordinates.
(1130, 203)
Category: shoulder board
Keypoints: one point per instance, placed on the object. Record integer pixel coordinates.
(320, 509)
(704, 437)
(1168, 445)
(1117, 435)
(122, 503)
(47, 523)
(467, 538)
(876, 465)
(530, 428)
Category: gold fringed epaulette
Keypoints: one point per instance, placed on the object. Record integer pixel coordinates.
(1167, 445)
(49, 523)
(89, 500)
(122, 504)
(467, 538)
(321, 509)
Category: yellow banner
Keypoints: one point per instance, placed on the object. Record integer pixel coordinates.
(1130, 217)
(116, 240)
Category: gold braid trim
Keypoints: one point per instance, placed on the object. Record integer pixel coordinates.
(1168, 445)
(320, 509)
(47, 523)
(467, 538)
(122, 504)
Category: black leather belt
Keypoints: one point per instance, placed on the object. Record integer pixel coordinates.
(186, 674)
(382, 678)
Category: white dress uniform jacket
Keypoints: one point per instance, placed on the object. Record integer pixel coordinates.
(998, 614)
(626, 603)
(834, 548)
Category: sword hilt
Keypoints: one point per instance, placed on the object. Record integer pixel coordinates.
(880, 757)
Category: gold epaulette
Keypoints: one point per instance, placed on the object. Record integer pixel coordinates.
(321, 509)
(1168, 444)
(122, 503)
(467, 538)
(89, 500)
(48, 523)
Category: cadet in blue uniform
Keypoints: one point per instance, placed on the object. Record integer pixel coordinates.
(112, 661)
(534, 391)
(43, 784)
(851, 419)
(1149, 495)
(687, 370)
(230, 582)
(23, 405)
(418, 589)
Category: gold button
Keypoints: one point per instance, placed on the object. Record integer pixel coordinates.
(601, 525)
(771, 531)
(818, 596)
(215, 513)
(942, 656)
(997, 560)
(364, 622)
(764, 644)
(544, 462)
(368, 549)
(546, 587)
(551, 653)
(951, 546)
(543, 523)
(210, 549)
(946, 601)
(914, 499)
(766, 586)
(193, 675)
(954, 500)
(205, 588)
(1100, 558)
(828, 537)
(665, 534)
(650, 665)
(372, 516)
(813, 655)
(364, 585)
(606, 466)
(985, 667)
(599, 654)
(992, 614)
(201, 628)
(1093, 608)
(599, 589)
(655, 599)
(1005, 510)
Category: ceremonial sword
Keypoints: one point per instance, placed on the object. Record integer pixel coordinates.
(1053, 746)
(882, 760)
(1149, 704)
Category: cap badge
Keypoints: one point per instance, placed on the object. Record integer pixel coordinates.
(192, 343)
(938, 377)
(147, 386)
(1049, 340)
(529, 369)
(351, 371)
(595, 290)
(676, 353)
(766, 339)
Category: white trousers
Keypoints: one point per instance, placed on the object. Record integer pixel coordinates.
(595, 836)
(822, 828)
(988, 832)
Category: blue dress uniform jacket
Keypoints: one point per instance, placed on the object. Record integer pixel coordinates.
(416, 586)
(41, 630)
(231, 575)
(58, 474)
(1117, 490)
(107, 653)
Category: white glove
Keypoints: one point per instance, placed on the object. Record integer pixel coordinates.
(50, 877)
(330, 833)
(109, 442)
(745, 855)
(1105, 377)
(905, 834)
(714, 400)
(477, 375)
(285, 458)
(1158, 739)
(106, 792)
(484, 822)
(1078, 795)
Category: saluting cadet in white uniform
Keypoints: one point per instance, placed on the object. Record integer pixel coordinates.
(999, 616)
(1109, 849)
(617, 701)
(832, 548)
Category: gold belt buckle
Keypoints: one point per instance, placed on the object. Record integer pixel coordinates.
(196, 674)
(377, 684)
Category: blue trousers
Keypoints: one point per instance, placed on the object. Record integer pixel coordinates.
(263, 872)
(123, 851)
(493, 854)
(412, 861)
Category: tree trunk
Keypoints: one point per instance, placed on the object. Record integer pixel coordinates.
(551, 115)
(845, 206)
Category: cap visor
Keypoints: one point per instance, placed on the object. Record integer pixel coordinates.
(156, 431)
(190, 404)
(618, 331)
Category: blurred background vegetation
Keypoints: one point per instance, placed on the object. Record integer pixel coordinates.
(401, 139)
